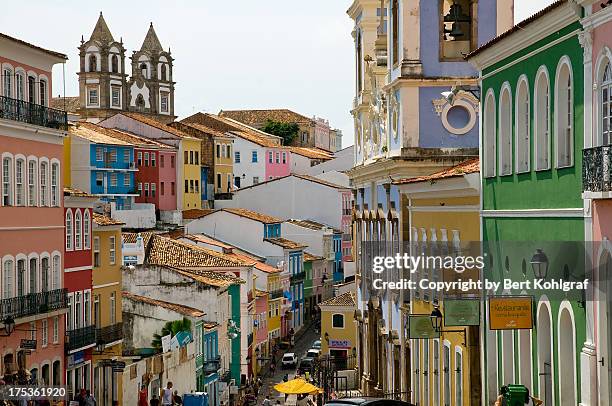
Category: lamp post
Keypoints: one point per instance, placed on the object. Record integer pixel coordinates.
(9, 326)
(436, 323)
(539, 264)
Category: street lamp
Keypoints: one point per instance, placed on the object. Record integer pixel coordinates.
(9, 326)
(539, 264)
(436, 319)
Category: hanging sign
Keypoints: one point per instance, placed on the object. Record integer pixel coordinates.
(510, 312)
(421, 327)
(461, 312)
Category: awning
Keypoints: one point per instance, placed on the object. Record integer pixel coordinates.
(297, 386)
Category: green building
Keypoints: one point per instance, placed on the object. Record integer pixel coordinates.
(531, 164)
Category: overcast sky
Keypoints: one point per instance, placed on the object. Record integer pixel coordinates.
(229, 54)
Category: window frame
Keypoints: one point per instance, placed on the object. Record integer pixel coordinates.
(564, 61)
(333, 321)
(505, 130)
(490, 135)
(542, 72)
(78, 230)
(522, 140)
(69, 230)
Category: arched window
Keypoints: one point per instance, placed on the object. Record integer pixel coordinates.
(44, 175)
(69, 230)
(55, 185)
(93, 63)
(458, 376)
(86, 230)
(395, 30)
(32, 177)
(44, 274)
(522, 112)
(505, 131)
(7, 278)
(606, 103)
(140, 103)
(564, 117)
(78, 243)
(163, 72)
(542, 121)
(56, 282)
(489, 135)
(21, 277)
(359, 68)
(115, 64)
(144, 70)
(33, 275)
(7, 181)
(7, 78)
(42, 86)
(19, 182)
(20, 85)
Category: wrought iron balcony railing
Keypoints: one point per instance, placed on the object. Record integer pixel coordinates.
(80, 337)
(226, 376)
(109, 334)
(33, 303)
(275, 294)
(298, 277)
(212, 365)
(26, 112)
(597, 169)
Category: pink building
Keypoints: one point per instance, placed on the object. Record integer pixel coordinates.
(596, 355)
(33, 299)
(260, 325)
(278, 162)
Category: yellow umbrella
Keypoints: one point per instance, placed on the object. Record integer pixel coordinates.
(297, 386)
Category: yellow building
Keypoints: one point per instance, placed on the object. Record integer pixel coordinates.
(338, 330)
(275, 303)
(444, 220)
(107, 261)
(190, 173)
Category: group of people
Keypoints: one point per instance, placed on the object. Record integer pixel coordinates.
(167, 397)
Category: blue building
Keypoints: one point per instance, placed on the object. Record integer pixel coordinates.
(209, 363)
(338, 271)
(298, 274)
(415, 113)
(102, 164)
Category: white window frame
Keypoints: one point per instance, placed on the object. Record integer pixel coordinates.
(45, 333)
(8, 197)
(522, 128)
(99, 154)
(605, 115)
(56, 266)
(566, 99)
(69, 230)
(20, 175)
(93, 96)
(115, 101)
(86, 229)
(126, 179)
(78, 230)
(446, 372)
(505, 130)
(113, 180)
(55, 329)
(112, 249)
(489, 151)
(96, 252)
(343, 321)
(542, 73)
(32, 182)
(458, 370)
(44, 182)
(55, 183)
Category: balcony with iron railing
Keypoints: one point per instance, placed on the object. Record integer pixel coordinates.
(33, 303)
(275, 294)
(80, 338)
(30, 113)
(109, 334)
(211, 365)
(597, 169)
(298, 277)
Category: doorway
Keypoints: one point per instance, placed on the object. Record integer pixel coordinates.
(545, 353)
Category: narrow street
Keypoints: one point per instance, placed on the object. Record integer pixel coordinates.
(302, 344)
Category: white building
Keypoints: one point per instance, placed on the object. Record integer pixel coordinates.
(304, 158)
(341, 162)
(297, 196)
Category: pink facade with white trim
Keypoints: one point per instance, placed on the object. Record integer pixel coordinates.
(278, 163)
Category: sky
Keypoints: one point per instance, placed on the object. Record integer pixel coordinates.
(236, 54)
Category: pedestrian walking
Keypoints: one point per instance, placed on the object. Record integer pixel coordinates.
(154, 401)
(166, 397)
(266, 401)
(177, 399)
(143, 397)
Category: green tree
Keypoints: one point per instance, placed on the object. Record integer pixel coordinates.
(171, 328)
(287, 131)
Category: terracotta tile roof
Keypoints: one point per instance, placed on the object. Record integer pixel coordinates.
(193, 214)
(207, 240)
(253, 215)
(177, 254)
(464, 168)
(174, 234)
(256, 139)
(521, 25)
(257, 264)
(345, 299)
(22, 42)
(312, 153)
(127, 137)
(103, 220)
(130, 238)
(156, 124)
(311, 224)
(181, 309)
(70, 104)
(208, 325)
(68, 191)
(211, 278)
(285, 243)
(308, 257)
(236, 128)
(254, 117)
(212, 121)
(96, 134)
(199, 128)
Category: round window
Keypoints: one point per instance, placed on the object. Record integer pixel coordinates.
(459, 118)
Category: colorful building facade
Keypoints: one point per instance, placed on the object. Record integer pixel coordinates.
(532, 138)
(338, 332)
(33, 296)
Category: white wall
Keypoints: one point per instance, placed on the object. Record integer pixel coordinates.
(246, 167)
(299, 163)
(236, 230)
(342, 162)
(308, 236)
(80, 164)
(139, 216)
(339, 178)
(180, 374)
(292, 197)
